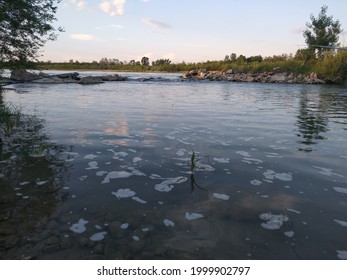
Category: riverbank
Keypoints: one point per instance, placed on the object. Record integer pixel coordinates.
(277, 75)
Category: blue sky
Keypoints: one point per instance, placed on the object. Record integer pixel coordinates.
(184, 30)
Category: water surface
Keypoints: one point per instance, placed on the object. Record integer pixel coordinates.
(105, 172)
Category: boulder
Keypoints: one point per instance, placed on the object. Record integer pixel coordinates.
(73, 76)
(90, 80)
(111, 78)
(278, 78)
(229, 72)
(22, 75)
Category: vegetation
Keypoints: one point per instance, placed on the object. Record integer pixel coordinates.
(25, 26)
(322, 31)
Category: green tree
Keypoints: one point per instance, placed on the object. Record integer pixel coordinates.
(322, 31)
(25, 26)
(145, 61)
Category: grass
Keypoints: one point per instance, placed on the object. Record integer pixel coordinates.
(10, 117)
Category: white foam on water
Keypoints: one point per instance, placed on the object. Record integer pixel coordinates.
(40, 183)
(124, 193)
(342, 255)
(221, 196)
(327, 171)
(124, 226)
(204, 167)
(79, 227)
(132, 150)
(341, 223)
(101, 173)
(98, 236)
(90, 156)
(340, 190)
(193, 216)
(168, 184)
(252, 160)
(97, 227)
(92, 165)
(139, 200)
(293, 210)
(116, 175)
(222, 160)
(243, 153)
(155, 176)
(273, 155)
(271, 175)
(135, 238)
(168, 223)
(82, 178)
(181, 152)
(256, 182)
(136, 172)
(289, 234)
(24, 183)
(136, 160)
(273, 221)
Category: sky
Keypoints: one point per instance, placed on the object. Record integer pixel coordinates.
(183, 30)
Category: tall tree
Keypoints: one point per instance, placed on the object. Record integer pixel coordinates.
(25, 26)
(322, 31)
(145, 61)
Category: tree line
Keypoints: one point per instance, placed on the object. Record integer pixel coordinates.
(26, 25)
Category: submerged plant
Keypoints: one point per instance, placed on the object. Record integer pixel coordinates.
(192, 162)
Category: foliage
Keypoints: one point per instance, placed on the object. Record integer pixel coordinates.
(333, 67)
(145, 61)
(25, 26)
(322, 31)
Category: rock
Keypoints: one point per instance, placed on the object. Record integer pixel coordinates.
(22, 75)
(52, 80)
(111, 78)
(72, 76)
(90, 80)
(278, 78)
(229, 72)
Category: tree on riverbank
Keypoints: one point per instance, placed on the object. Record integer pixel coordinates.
(25, 26)
(322, 31)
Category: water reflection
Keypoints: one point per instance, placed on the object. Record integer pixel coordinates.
(33, 184)
(316, 110)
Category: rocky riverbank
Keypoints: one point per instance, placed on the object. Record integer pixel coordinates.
(23, 76)
(274, 76)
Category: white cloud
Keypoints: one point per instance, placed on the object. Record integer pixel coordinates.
(113, 7)
(144, 1)
(117, 26)
(82, 37)
(79, 4)
(155, 23)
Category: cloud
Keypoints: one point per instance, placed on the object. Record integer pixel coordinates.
(113, 7)
(117, 26)
(82, 37)
(79, 4)
(156, 24)
(144, 1)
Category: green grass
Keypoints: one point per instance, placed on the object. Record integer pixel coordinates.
(10, 117)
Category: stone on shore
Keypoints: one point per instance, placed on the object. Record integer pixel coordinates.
(90, 80)
(277, 75)
(22, 75)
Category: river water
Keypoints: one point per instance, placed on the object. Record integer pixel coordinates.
(169, 169)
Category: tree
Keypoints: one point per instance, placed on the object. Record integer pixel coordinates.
(145, 61)
(160, 62)
(322, 31)
(25, 26)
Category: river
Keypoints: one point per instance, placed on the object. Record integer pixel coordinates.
(169, 169)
